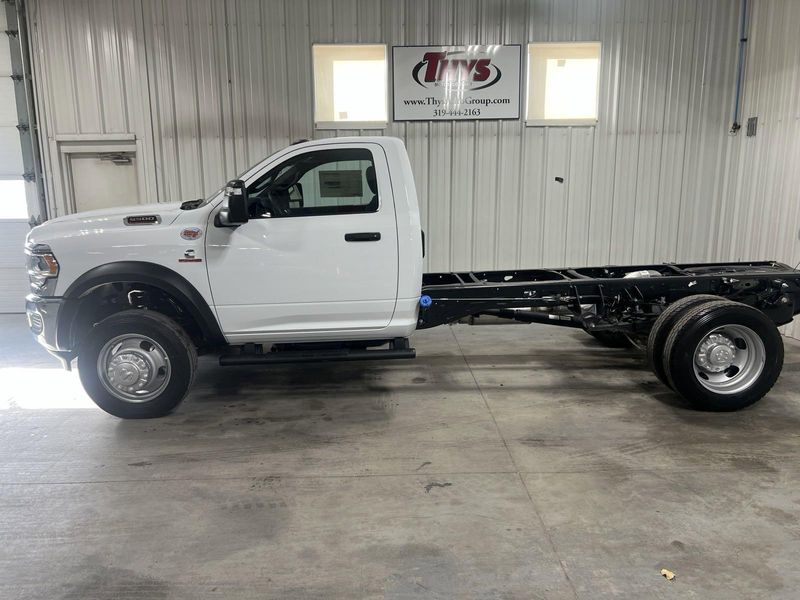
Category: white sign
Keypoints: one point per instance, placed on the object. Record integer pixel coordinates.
(433, 83)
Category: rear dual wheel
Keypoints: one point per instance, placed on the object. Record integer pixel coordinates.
(718, 354)
(662, 327)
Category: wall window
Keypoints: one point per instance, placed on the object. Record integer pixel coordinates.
(563, 83)
(349, 86)
(323, 182)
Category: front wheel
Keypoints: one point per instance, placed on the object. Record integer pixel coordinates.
(137, 364)
(723, 355)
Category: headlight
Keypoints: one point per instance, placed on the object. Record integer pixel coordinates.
(42, 269)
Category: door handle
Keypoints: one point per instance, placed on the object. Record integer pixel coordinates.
(372, 236)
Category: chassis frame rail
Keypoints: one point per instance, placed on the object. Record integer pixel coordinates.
(626, 299)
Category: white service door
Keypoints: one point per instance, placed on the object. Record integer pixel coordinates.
(98, 183)
(297, 274)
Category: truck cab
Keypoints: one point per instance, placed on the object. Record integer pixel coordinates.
(327, 249)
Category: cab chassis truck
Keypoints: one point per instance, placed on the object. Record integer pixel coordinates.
(315, 254)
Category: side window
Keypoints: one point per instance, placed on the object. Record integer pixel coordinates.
(322, 182)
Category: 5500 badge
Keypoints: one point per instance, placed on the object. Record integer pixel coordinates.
(456, 82)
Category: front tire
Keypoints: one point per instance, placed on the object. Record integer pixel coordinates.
(723, 355)
(137, 364)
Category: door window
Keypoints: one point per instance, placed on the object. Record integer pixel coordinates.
(323, 182)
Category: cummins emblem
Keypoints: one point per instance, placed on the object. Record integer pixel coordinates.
(189, 256)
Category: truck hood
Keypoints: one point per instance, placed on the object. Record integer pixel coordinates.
(167, 212)
(104, 219)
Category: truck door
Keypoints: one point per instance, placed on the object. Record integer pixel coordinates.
(319, 254)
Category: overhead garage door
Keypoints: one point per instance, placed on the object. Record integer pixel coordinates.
(13, 282)
(13, 207)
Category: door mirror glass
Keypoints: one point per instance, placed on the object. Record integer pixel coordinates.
(235, 211)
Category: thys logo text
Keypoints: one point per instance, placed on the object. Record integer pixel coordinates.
(455, 69)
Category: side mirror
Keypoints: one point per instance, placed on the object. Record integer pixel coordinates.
(235, 212)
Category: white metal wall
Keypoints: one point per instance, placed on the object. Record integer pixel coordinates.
(211, 87)
(761, 175)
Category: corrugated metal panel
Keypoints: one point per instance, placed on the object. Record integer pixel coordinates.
(90, 77)
(761, 178)
(211, 87)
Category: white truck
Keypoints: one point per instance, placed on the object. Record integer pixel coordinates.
(316, 254)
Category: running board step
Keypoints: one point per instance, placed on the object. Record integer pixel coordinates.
(306, 356)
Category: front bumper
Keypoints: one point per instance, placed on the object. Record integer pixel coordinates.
(43, 322)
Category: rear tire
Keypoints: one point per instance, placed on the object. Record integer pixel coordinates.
(662, 327)
(611, 339)
(723, 355)
(137, 364)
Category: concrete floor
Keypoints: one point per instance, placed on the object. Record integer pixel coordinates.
(507, 461)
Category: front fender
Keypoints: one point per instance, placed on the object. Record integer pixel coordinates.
(151, 274)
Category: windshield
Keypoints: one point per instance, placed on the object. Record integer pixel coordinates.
(254, 165)
(192, 204)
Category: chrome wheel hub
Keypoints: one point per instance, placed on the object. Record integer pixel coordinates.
(729, 359)
(134, 368)
(715, 353)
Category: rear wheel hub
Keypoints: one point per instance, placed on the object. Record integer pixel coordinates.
(716, 353)
(729, 359)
